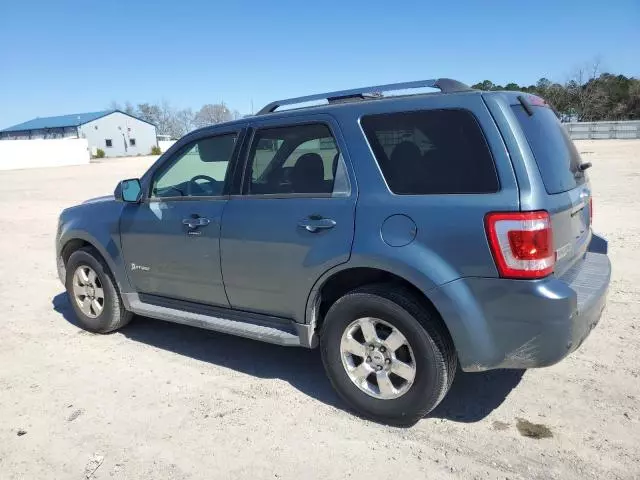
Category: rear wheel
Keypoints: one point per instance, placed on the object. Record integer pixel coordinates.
(93, 293)
(386, 354)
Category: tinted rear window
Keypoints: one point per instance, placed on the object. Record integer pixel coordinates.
(556, 155)
(431, 152)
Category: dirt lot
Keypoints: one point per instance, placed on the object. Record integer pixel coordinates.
(158, 401)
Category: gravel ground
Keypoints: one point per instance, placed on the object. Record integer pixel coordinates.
(158, 400)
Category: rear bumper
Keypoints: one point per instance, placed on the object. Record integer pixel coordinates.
(501, 323)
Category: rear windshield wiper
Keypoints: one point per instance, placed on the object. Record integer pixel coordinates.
(583, 166)
(527, 107)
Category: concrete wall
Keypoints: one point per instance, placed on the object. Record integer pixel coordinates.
(120, 128)
(603, 130)
(165, 144)
(18, 154)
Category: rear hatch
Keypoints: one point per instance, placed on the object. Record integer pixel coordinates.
(568, 195)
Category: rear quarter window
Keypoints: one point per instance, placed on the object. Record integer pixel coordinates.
(431, 152)
(557, 157)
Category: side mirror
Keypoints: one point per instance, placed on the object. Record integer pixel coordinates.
(128, 191)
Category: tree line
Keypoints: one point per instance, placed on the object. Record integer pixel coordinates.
(177, 122)
(586, 97)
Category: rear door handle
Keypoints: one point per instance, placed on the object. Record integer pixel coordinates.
(196, 222)
(314, 225)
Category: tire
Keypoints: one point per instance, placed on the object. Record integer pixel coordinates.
(428, 342)
(112, 315)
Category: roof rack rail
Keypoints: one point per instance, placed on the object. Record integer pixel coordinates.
(446, 85)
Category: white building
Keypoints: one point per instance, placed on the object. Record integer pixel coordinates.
(117, 133)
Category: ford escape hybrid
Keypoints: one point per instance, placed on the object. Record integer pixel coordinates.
(402, 234)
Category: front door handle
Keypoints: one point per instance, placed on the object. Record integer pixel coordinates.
(315, 224)
(196, 222)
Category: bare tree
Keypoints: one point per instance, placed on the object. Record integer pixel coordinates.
(212, 114)
(129, 108)
(584, 92)
(176, 123)
(166, 121)
(633, 108)
(161, 115)
(185, 120)
(554, 93)
(149, 113)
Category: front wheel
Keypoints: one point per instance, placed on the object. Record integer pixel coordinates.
(93, 293)
(387, 355)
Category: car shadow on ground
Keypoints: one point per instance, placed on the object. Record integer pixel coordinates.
(472, 397)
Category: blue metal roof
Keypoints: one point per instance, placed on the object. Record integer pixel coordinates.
(73, 120)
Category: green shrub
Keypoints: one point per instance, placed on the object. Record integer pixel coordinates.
(155, 150)
(99, 153)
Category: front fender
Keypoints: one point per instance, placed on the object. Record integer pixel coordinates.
(98, 225)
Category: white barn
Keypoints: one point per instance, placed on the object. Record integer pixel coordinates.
(117, 133)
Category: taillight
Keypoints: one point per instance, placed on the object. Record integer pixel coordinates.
(590, 210)
(521, 243)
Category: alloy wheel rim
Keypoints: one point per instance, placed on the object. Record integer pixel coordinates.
(88, 291)
(378, 358)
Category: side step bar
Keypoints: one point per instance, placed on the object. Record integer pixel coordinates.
(265, 328)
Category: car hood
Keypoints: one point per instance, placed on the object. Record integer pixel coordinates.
(93, 211)
(105, 198)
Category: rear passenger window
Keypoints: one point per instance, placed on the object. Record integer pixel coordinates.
(431, 152)
(297, 159)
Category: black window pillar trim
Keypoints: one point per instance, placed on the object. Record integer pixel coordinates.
(234, 186)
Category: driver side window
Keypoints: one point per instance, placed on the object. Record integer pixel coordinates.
(197, 170)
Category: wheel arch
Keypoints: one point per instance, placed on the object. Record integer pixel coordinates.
(71, 246)
(338, 282)
(73, 240)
